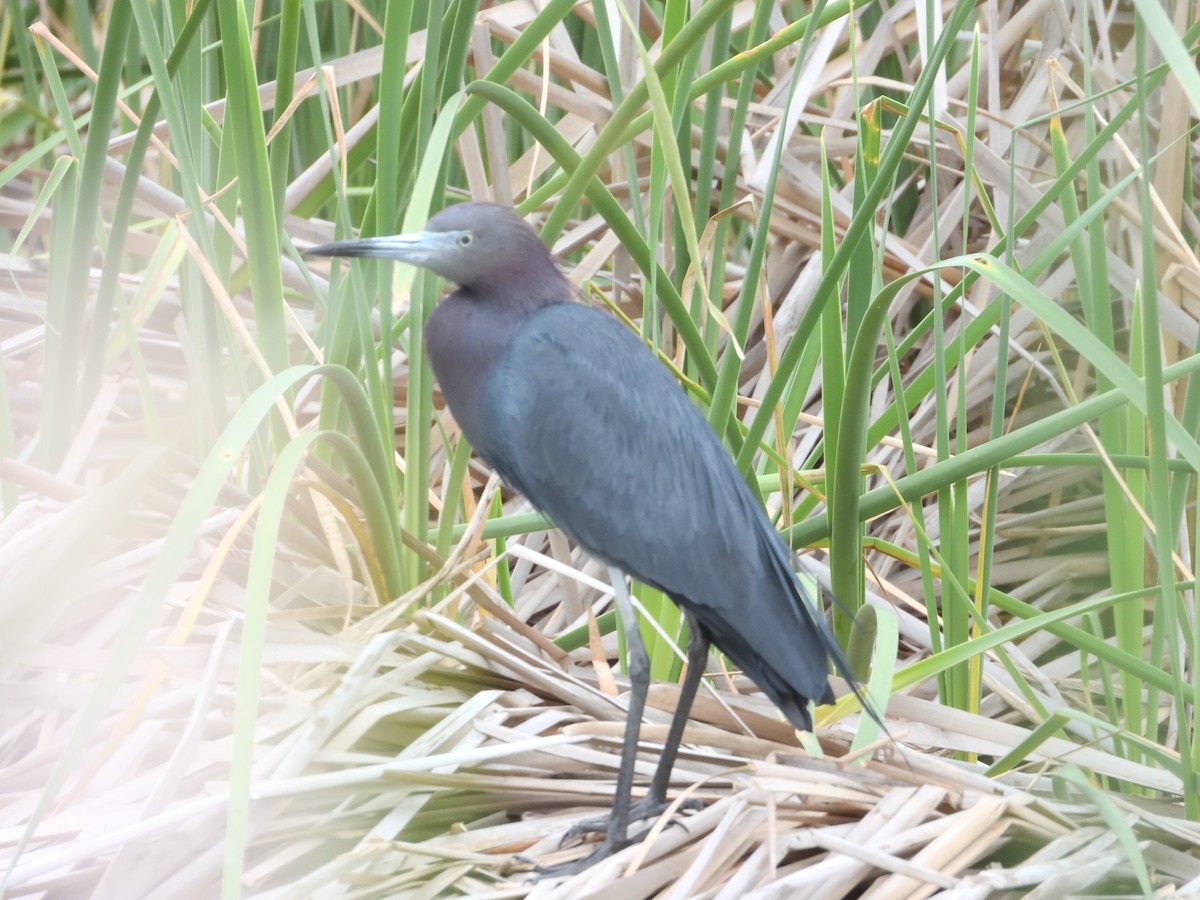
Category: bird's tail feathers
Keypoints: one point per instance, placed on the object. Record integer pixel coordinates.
(813, 609)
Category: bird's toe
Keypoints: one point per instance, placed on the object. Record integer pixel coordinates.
(604, 850)
(646, 808)
(597, 825)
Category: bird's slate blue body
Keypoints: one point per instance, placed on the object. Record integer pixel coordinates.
(574, 411)
(582, 419)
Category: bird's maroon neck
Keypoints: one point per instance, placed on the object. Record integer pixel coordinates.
(466, 334)
(517, 293)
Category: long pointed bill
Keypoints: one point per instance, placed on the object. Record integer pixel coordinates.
(415, 249)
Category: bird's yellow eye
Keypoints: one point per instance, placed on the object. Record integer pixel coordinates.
(465, 239)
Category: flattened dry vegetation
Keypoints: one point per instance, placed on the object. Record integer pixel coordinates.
(238, 656)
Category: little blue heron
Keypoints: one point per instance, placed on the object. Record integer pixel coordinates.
(575, 412)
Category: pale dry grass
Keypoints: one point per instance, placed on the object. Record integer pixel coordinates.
(414, 752)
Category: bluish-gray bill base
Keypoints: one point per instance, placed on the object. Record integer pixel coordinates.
(574, 411)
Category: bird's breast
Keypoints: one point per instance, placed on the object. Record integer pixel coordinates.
(465, 339)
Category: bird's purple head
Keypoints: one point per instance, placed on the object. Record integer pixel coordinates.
(484, 248)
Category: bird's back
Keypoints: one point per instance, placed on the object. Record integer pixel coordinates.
(582, 419)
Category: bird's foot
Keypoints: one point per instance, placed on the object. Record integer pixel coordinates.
(646, 808)
(606, 849)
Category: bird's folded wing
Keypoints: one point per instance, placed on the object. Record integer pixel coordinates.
(598, 435)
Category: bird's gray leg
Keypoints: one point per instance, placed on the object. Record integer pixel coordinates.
(639, 684)
(697, 656)
(616, 826)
